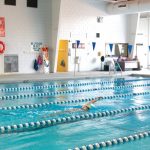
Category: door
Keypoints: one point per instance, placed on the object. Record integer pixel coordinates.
(62, 61)
(142, 51)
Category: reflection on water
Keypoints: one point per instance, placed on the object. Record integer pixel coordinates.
(70, 135)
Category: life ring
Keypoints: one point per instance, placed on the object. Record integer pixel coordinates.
(2, 47)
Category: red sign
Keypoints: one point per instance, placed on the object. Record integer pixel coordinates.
(2, 26)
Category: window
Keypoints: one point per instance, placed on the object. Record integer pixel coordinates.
(10, 2)
(32, 3)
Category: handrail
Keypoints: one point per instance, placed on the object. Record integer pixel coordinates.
(114, 66)
(119, 66)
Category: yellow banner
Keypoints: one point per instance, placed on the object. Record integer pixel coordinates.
(62, 62)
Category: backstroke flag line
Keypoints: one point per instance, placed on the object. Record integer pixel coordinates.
(111, 47)
(94, 45)
(149, 47)
(130, 49)
(78, 43)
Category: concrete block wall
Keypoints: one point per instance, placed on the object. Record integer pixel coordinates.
(78, 21)
(24, 25)
(62, 19)
(142, 38)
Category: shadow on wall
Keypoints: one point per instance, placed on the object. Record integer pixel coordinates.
(100, 6)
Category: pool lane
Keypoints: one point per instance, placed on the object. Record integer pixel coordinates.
(9, 117)
(9, 99)
(80, 133)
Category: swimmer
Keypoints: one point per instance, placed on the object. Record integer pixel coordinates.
(88, 106)
(85, 107)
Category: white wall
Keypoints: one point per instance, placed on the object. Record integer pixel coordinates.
(23, 26)
(54, 29)
(132, 28)
(143, 33)
(116, 28)
(143, 37)
(78, 21)
(62, 19)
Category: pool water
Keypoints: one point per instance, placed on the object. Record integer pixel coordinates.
(35, 102)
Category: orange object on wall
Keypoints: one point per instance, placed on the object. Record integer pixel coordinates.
(62, 61)
(2, 26)
(2, 47)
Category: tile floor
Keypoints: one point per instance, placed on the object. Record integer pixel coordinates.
(6, 78)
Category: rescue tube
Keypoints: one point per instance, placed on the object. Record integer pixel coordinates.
(2, 47)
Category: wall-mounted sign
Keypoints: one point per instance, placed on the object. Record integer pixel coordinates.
(100, 19)
(81, 45)
(2, 26)
(36, 46)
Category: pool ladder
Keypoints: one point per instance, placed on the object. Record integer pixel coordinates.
(115, 64)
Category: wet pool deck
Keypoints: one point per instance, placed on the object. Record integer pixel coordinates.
(12, 78)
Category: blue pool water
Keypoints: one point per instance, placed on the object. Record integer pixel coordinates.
(27, 108)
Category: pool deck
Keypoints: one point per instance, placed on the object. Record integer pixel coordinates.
(12, 78)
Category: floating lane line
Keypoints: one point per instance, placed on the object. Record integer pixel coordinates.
(45, 94)
(52, 122)
(31, 106)
(113, 142)
(41, 87)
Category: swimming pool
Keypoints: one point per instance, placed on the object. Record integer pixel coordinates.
(119, 121)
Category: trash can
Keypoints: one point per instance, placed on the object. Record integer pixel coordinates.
(106, 67)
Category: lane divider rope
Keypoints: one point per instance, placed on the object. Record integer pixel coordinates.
(47, 123)
(40, 87)
(113, 142)
(30, 106)
(45, 94)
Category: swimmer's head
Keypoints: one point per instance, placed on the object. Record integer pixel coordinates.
(85, 107)
(93, 101)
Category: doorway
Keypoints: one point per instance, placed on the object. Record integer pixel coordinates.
(142, 55)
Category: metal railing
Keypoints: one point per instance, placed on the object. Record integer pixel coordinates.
(114, 63)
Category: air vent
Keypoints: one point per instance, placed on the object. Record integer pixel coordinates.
(10, 63)
(32, 3)
(10, 2)
(122, 6)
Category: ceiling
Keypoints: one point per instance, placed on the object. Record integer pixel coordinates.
(134, 6)
(145, 15)
(118, 1)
